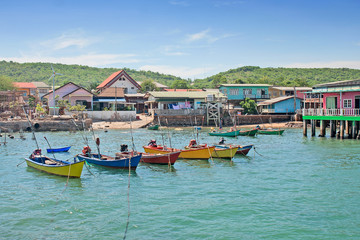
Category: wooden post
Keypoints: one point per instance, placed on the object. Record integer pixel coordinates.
(305, 128)
(322, 128)
(313, 128)
(353, 130)
(342, 129)
(332, 128)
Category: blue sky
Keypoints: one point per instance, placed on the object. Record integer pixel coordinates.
(190, 39)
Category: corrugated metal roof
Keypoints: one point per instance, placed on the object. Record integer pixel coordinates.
(339, 83)
(24, 85)
(159, 85)
(292, 88)
(193, 95)
(245, 85)
(110, 92)
(276, 100)
(40, 84)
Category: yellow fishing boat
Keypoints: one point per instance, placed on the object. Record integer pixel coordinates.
(56, 167)
(224, 152)
(192, 151)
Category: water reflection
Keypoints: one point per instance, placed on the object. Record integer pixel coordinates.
(197, 163)
(159, 168)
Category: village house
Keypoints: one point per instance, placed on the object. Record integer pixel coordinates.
(26, 88)
(277, 91)
(280, 105)
(71, 92)
(339, 102)
(42, 88)
(111, 92)
(238, 92)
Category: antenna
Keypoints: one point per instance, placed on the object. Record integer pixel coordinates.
(53, 77)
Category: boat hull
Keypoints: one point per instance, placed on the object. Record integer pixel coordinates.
(243, 150)
(271, 132)
(155, 127)
(65, 149)
(224, 152)
(133, 162)
(191, 153)
(225, 134)
(251, 133)
(167, 158)
(71, 169)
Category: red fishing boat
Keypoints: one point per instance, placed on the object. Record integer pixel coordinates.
(167, 158)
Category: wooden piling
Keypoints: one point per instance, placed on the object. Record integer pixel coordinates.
(305, 128)
(313, 128)
(342, 128)
(332, 128)
(322, 128)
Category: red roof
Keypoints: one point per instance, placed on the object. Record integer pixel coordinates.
(111, 77)
(183, 90)
(24, 85)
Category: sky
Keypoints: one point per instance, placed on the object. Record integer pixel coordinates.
(190, 39)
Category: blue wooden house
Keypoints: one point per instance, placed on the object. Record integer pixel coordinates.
(280, 105)
(238, 92)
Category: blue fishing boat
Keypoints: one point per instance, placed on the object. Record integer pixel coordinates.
(119, 161)
(64, 149)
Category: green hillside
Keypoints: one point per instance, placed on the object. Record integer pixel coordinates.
(90, 77)
(280, 76)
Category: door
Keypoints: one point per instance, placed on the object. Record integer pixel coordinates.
(357, 102)
(331, 102)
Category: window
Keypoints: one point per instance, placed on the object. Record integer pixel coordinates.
(347, 103)
(247, 91)
(234, 91)
(125, 90)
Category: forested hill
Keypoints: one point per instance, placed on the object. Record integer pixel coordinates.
(90, 77)
(281, 76)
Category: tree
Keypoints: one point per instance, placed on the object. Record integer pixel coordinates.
(249, 106)
(6, 83)
(218, 79)
(180, 84)
(148, 85)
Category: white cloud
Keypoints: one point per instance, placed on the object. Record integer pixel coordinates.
(180, 3)
(183, 72)
(68, 39)
(335, 64)
(91, 59)
(198, 36)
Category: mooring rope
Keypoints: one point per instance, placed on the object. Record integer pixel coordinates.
(128, 200)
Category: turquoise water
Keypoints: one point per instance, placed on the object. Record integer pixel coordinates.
(298, 188)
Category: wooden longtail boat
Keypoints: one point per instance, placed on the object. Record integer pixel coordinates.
(271, 131)
(55, 166)
(113, 162)
(160, 158)
(225, 134)
(241, 150)
(153, 127)
(251, 132)
(190, 153)
(224, 152)
(64, 149)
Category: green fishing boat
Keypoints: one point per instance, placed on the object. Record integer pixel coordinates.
(153, 127)
(271, 131)
(251, 132)
(225, 134)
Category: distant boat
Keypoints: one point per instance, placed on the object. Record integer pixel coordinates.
(153, 127)
(225, 134)
(54, 166)
(64, 149)
(160, 158)
(271, 131)
(251, 132)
